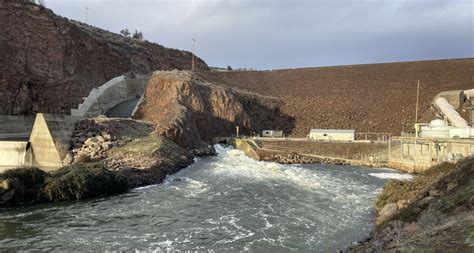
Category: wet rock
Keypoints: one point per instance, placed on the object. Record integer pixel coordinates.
(7, 196)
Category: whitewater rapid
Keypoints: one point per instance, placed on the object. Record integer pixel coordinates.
(224, 203)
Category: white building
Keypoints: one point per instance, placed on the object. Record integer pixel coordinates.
(439, 129)
(272, 133)
(332, 135)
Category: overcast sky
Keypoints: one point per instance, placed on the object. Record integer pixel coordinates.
(269, 34)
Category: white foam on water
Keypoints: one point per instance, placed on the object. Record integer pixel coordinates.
(392, 175)
(234, 163)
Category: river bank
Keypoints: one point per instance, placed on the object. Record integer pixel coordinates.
(107, 156)
(434, 212)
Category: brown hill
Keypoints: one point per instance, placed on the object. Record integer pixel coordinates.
(48, 63)
(373, 97)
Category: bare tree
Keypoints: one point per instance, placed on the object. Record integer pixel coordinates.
(125, 32)
(137, 35)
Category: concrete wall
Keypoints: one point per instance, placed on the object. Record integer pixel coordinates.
(417, 155)
(50, 139)
(15, 127)
(112, 93)
(369, 152)
(13, 154)
(248, 147)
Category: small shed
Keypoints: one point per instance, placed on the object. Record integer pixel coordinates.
(272, 133)
(332, 134)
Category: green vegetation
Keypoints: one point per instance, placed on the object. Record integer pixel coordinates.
(68, 183)
(395, 190)
(26, 176)
(150, 145)
(82, 181)
(470, 238)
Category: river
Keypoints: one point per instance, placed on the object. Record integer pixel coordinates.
(224, 203)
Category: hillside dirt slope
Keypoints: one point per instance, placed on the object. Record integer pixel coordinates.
(49, 63)
(374, 97)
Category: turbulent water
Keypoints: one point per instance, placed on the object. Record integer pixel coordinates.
(224, 203)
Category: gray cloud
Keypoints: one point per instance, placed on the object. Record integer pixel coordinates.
(278, 34)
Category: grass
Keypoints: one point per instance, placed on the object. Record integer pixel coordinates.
(395, 190)
(150, 145)
(143, 146)
(83, 181)
(27, 176)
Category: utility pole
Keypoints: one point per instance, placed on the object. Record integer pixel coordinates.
(417, 100)
(416, 113)
(87, 10)
(192, 61)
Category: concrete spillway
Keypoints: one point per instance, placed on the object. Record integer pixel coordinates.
(114, 97)
(123, 110)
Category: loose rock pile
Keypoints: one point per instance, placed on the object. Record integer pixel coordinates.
(295, 158)
(90, 141)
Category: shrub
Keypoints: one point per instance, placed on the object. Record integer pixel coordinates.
(28, 176)
(82, 181)
(395, 190)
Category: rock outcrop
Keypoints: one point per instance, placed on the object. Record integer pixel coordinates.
(189, 110)
(48, 63)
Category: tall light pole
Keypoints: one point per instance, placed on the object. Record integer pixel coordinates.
(87, 9)
(192, 61)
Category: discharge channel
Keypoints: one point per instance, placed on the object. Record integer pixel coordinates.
(224, 203)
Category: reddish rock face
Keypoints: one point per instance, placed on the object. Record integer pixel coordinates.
(48, 63)
(188, 109)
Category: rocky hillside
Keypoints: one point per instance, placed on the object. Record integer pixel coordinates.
(189, 109)
(374, 97)
(48, 63)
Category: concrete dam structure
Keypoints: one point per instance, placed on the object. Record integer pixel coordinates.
(43, 141)
(118, 97)
(46, 146)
